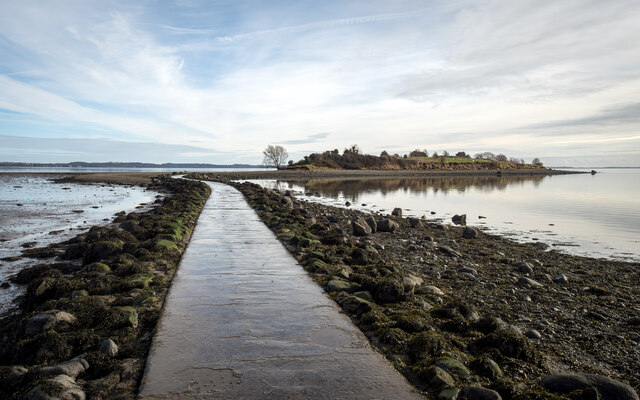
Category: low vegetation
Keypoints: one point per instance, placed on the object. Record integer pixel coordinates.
(352, 158)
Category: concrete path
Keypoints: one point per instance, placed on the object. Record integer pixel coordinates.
(244, 321)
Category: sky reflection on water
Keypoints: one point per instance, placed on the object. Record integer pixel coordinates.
(592, 215)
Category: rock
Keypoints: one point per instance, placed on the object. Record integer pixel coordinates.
(524, 281)
(432, 290)
(448, 394)
(109, 347)
(486, 367)
(16, 371)
(449, 251)
(129, 317)
(364, 295)
(70, 368)
(634, 321)
(79, 293)
(440, 378)
(533, 334)
(469, 233)
(389, 290)
(5, 285)
(372, 224)
(333, 219)
(468, 270)
(607, 388)
(360, 227)
(65, 386)
(397, 212)
(452, 365)
(442, 227)
(98, 267)
(336, 285)
(524, 267)
(415, 222)
(561, 278)
(386, 225)
(287, 202)
(347, 203)
(478, 393)
(355, 305)
(412, 281)
(48, 320)
(459, 219)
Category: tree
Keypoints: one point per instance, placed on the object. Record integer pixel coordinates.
(462, 154)
(501, 157)
(418, 153)
(536, 161)
(384, 154)
(445, 153)
(275, 156)
(354, 149)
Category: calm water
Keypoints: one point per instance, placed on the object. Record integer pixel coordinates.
(593, 215)
(49, 213)
(36, 170)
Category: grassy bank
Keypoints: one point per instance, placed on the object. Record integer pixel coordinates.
(86, 321)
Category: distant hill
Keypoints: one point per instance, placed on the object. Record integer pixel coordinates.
(82, 164)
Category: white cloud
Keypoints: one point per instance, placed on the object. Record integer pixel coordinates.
(372, 73)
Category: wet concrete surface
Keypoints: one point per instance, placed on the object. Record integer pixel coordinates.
(244, 321)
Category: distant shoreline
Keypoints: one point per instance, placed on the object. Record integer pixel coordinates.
(359, 174)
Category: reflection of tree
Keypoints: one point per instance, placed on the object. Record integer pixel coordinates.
(351, 188)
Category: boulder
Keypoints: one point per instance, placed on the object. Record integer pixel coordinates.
(478, 393)
(459, 219)
(372, 224)
(360, 227)
(386, 225)
(607, 388)
(109, 347)
(48, 320)
(524, 267)
(64, 387)
(397, 212)
(415, 222)
(70, 368)
(469, 233)
(336, 285)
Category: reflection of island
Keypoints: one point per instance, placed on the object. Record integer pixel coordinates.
(351, 188)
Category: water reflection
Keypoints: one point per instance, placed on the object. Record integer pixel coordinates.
(598, 213)
(353, 188)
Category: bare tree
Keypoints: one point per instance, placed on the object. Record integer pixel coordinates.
(275, 156)
(536, 161)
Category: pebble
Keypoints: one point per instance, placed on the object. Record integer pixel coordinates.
(561, 278)
(529, 282)
(524, 267)
(533, 334)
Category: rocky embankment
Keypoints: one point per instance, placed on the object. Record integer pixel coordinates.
(84, 327)
(464, 314)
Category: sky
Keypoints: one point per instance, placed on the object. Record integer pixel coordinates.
(216, 81)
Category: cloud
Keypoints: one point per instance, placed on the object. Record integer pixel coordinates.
(59, 149)
(309, 139)
(235, 76)
(616, 115)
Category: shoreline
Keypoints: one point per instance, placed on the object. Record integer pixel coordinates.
(85, 324)
(360, 174)
(451, 309)
(593, 308)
